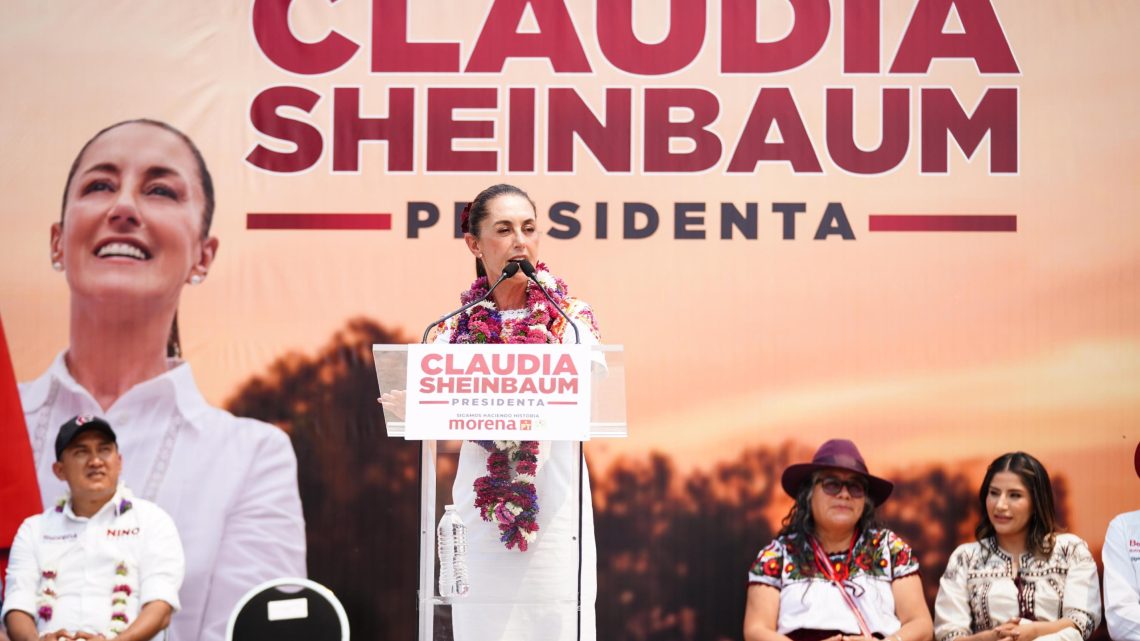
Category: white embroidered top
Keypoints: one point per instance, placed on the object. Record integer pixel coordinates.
(979, 590)
(808, 601)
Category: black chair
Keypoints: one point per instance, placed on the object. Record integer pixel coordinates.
(288, 609)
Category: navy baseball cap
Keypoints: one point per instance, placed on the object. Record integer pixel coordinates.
(76, 426)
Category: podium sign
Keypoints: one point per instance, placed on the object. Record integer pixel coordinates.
(448, 375)
(498, 392)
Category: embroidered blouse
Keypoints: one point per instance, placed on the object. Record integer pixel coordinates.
(808, 600)
(980, 591)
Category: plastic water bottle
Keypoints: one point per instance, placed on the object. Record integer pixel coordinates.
(451, 538)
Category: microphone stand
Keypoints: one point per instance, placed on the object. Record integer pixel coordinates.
(509, 270)
(529, 270)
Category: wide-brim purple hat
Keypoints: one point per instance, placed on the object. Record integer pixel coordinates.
(837, 453)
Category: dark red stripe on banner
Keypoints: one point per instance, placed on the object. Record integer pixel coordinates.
(561, 402)
(317, 221)
(434, 402)
(943, 222)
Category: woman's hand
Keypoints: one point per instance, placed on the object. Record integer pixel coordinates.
(1015, 630)
(395, 401)
(1012, 630)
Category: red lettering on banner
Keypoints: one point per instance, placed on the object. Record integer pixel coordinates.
(351, 129)
(556, 40)
(521, 127)
(982, 39)
(449, 367)
(565, 365)
(841, 145)
(741, 53)
(679, 124)
(478, 365)
(263, 114)
(391, 51)
(429, 364)
(861, 33)
(277, 42)
(503, 363)
(624, 50)
(444, 129)
(568, 115)
(660, 129)
(995, 115)
(528, 364)
(774, 105)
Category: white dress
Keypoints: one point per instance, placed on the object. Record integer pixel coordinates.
(542, 582)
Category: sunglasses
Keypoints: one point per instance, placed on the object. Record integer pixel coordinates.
(832, 487)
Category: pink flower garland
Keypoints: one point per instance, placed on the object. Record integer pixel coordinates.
(507, 496)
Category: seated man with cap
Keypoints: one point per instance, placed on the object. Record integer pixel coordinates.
(100, 564)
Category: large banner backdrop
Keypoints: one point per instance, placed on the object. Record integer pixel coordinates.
(912, 224)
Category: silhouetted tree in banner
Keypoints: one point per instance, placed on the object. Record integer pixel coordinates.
(360, 488)
(673, 551)
(674, 547)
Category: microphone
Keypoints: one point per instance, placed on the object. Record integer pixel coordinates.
(509, 270)
(530, 272)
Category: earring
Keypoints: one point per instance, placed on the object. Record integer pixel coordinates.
(196, 279)
(57, 266)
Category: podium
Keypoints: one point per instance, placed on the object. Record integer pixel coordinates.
(557, 395)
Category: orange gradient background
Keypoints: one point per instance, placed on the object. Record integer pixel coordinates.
(947, 348)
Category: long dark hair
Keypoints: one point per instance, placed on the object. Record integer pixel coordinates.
(800, 522)
(173, 344)
(471, 222)
(1043, 519)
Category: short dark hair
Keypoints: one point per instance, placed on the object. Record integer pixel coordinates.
(207, 182)
(477, 212)
(1043, 518)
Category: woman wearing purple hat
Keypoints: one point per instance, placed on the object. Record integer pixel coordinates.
(831, 573)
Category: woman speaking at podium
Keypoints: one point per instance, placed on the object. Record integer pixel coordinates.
(534, 555)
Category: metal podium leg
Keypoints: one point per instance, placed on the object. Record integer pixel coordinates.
(427, 540)
(581, 500)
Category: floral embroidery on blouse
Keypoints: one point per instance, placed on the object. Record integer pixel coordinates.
(878, 553)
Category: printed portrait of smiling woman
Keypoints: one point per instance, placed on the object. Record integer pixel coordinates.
(133, 232)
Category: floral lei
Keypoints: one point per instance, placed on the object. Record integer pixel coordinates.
(120, 592)
(507, 496)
